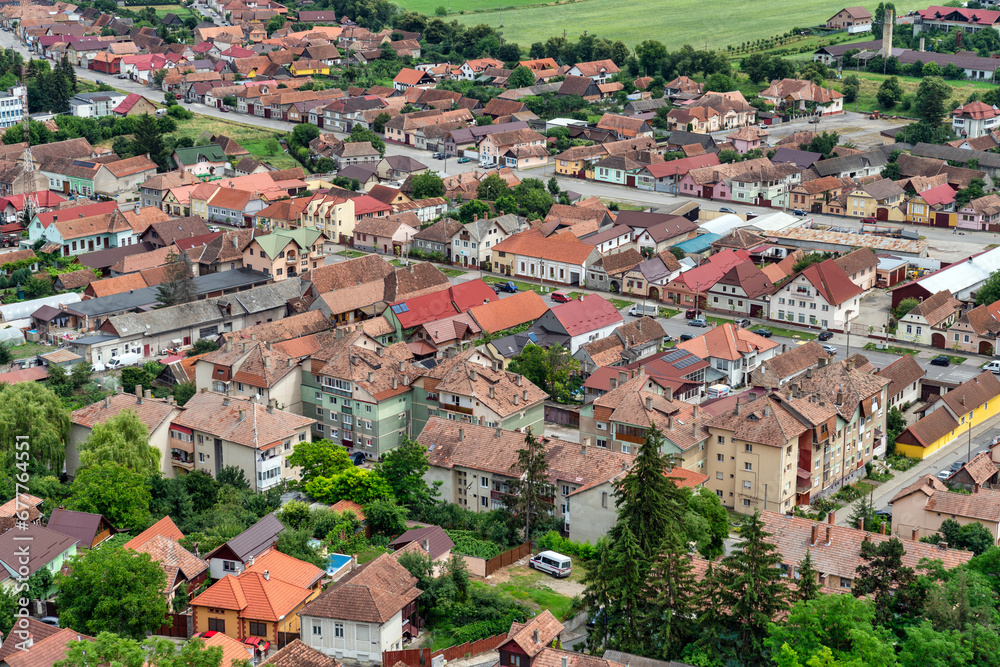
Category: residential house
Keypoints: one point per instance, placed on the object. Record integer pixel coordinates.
(252, 370)
(743, 290)
(153, 190)
(560, 258)
(411, 78)
(579, 321)
(733, 350)
(370, 610)
(201, 160)
(95, 105)
(929, 322)
(472, 69)
(599, 71)
(50, 549)
(687, 288)
(974, 119)
(346, 154)
(502, 314)
(471, 388)
(921, 508)
(860, 265)
(879, 199)
(431, 539)
(220, 431)
(87, 528)
(766, 184)
(86, 233)
(821, 295)
(655, 232)
(851, 19)
(905, 374)
(120, 180)
(399, 167)
(233, 557)
(285, 253)
(180, 567)
(134, 104)
(391, 235)
(775, 372)
(155, 414)
(473, 463)
(748, 139)
(515, 148)
(625, 127)
(635, 340)
(665, 176)
(435, 239)
(473, 244)
(797, 95)
(975, 331)
(258, 603)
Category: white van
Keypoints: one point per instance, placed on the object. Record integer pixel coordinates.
(119, 362)
(639, 310)
(718, 390)
(993, 366)
(554, 563)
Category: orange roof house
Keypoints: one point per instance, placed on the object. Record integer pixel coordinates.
(161, 542)
(260, 602)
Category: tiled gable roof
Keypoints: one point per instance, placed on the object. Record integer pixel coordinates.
(902, 373)
(297, 653)
(831, 282)
(534, 635)
(727, 342)
(373, 593)
(259, 428)
(588, 313)
(938, 307)
(620, 262)
(972, 393)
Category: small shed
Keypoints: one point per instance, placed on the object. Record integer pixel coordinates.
(432, 539)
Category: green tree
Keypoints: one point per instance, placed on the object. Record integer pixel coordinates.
(277, 22)
(355, 484)
(33, 410)
(80, 374)
(752, 591)
(427, 185)
(729, 156)
(8, 607)
(148, 139)
(521, 77)
(184, 391)
(404, 468)
(852, 84)
(491, 188)
(319, 458)
(120, 494)
(112, 590)
(963, 599)
(553, 186)
(889, 93)
(472, 210)
(974, 190)
(379, 123)
(386, 517)
(271, 146)
(133, 377)
(905, 306)
(932, 100)
(807, 584)
(706, 522)
(888, 583)
(824, 143)
(672, 591)
(201, 346)
(530, 492)
(928, 647)
(178, 287)
(121, 440)
(719, 82)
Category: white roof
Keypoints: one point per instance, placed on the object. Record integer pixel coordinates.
(963, 275)
(777, 221)
(17, 311)
(722, 225)
(890, 263)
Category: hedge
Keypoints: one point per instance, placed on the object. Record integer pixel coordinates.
(467, 543)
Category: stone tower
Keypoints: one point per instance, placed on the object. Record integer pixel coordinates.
(887, 24)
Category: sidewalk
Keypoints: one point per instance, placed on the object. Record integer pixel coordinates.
(929, 466)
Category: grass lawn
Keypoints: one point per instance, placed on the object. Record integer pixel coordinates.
(250, 137)
(621, 303)
(682, 22)
(535, 589)
(29, 350)
(351, 254)
(163, 10)
(522, 287)
(668, 312)
(870, 84)
(798, 334)
(956, 360)
(892, 349)
(453, 273)
(396, 262)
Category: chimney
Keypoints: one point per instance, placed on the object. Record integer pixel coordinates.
(401, 366)
(612, 384)
(622, 377)
(395, 383)
(524, 395)
(519, 380)
(378, 351)
(840, 398)
(887, 24)
(138, 394)
(225, 400)
(649, 402)
(881, 528)
(694, 410)
(267, 575)
(565, 661)
(828, 531)
(271, 402)
(515, 399)
(737, 405)
(670, 423)
(267, 361)
(942, 546)
(253, 336)
(229, 345)
(830, 518)
(340, 334)
(461, 434)
(107, 401)
(472, 374)
(809, 372)
(492, 393)
(243, 415)
(583, 447)
(921, 44)
(427, 545)
(534, 635)
(499, 432)
(815, 534)
(371, 376)
(244, 346)
(668, 394)
(915, 534)
(354, 360)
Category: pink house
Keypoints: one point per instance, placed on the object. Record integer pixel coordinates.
(980, 213)
(747, 139)
(712, 182)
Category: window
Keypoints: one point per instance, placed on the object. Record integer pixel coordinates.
(228, 566)
(747, 448)
(748, 466)
(317, 630)
(201, 457)
(626, 448)
(258, 629)
(338, 630)
(746, 502)
(565, 489)
(484, 482)
(720, 457)
(721, 439)
(719, 475)
(217, 624)
(482, 501)
(604, 499)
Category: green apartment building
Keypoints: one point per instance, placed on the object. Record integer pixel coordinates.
(470, 387)
(359, 394)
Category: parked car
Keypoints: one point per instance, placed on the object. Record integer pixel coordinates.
(50, 620)
(691, 314)
(553, 563)
(560, 297)
(761, 331)
(639, 310)
(358, 458)
(698, 322)
(224, 109)
(742, 322)
(830, 349)
(944, 475)
(464, 160)
(813, 121)
(726, 209)
(799, 212)
(993, 366)
(869, 220)
(825, 335)
(685, 337)
(957, 465)
(439, 156)
(941, 360)
(122, 76)
(505, 287)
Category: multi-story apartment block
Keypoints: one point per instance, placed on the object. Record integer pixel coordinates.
(252, 370)
(358, 391)
(472, 388)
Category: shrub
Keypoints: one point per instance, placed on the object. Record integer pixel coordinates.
(468, 544)
(553, 541)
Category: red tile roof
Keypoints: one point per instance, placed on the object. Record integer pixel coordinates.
(444, 303)
(510, 312)
(588, 313)
(831, 282)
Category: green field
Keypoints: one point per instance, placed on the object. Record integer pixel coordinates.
(163, 10)
(681, 22)
(871, 82)
(250, 137)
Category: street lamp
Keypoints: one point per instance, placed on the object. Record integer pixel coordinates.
(847, 326)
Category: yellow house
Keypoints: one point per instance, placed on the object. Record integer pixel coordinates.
(308, 67)
(262, 601)
(579, 161)
(918, 211)
(879, 199)
(961, 409)
(332, 215)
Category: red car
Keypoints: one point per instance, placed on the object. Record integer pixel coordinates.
(691, 314)
(560, 297)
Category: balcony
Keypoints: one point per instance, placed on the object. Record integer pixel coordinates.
(178, 462)
(455, 408)
(336, 391)
(635, 439)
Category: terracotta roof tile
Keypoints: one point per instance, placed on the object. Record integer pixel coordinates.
(534, 635)
(299, 654)
(117, 285)
(902, 373)
(258, 429)
(373, 593)
(286, 568)
(972, 393)
(938, 307)
(727, 342)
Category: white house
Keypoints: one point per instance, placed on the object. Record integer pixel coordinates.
(731, 350)
(582, 320)
(473, 243)
(974, 119)
(11, 108)
(365, 613)
(822, 296)
(96, 105)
